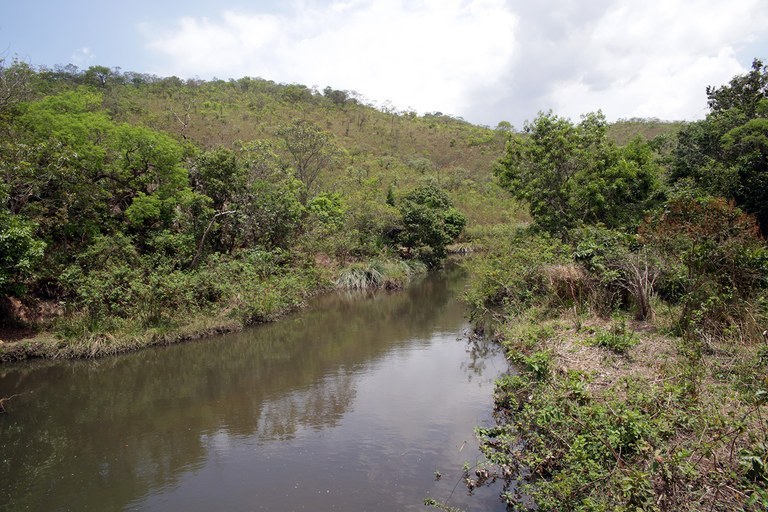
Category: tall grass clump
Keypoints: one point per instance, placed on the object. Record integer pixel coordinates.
(377, 274)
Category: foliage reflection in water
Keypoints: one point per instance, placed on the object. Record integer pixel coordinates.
(350, 405)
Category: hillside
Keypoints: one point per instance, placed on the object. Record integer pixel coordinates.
(135, 205)
(184, 183)
(624, 130)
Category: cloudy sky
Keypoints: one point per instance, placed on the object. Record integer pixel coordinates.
(483, 60)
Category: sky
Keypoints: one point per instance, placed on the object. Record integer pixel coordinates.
(483, 60)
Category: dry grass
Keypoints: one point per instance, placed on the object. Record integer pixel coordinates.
(651, 359)
(46, 345)
(707, 401)
(572, 284)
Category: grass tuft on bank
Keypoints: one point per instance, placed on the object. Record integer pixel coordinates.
(379, 274)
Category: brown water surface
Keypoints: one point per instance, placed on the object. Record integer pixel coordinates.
(350, 405)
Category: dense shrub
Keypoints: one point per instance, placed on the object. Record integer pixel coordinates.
(429, 224)
(715, 255)
(20, 251)
(513, 273)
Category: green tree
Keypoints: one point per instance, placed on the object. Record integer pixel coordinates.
(146, 167)
(328, 211)
(572, 175)
(98, 76)
(218, 174)
(15, 84)
(271, 213)
(55, 166)
(621, 188)
(368, 221)
(726, 154)
(311, 151)
(20, 251)
(77, 174)
(429, 224)
(253, 200)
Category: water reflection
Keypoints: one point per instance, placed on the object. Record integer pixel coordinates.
(354, 397)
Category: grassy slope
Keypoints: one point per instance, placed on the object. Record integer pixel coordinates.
(623, 131)
(382, 150)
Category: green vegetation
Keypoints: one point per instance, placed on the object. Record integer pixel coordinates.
(617, 338)
(387, 274)
(726, 154)
(137, 210)
(572, 175)
(624, 265)
(634, 308)
(429, 224)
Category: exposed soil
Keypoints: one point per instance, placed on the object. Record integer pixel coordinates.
(11, 334)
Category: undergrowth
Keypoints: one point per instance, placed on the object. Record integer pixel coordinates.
(387, 274)
(640, 376)
(631, 438)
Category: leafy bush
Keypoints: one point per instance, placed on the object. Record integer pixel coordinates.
(538, 364)
(20, 251)
(429, 224)
(715, 254)
(327, 210)
(569, 452)
(111, 279)
(512, 274)
(618, 338)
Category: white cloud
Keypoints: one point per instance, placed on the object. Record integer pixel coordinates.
(205, 47)
(82, 57)
(428, 54)
(485, 60)
(655, 59)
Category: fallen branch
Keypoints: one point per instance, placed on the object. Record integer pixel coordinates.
(5, 399)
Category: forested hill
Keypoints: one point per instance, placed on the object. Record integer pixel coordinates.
(221, 113)
(138, 209)
(224, 113)
(134, 203)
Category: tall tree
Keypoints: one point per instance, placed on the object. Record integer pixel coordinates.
(726, 154)
(311, 151)
(14, 83)
(572, 174)
(429, 224)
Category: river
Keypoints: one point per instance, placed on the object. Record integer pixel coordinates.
(353, 404)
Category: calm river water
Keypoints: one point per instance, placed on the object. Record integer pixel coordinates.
(350, 405)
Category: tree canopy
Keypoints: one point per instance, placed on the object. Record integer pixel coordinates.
(726, 154)
(572, 174)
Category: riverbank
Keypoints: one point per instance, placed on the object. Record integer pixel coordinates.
(47, 345)
(78, 335)
(640, 375)
(614, 414)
